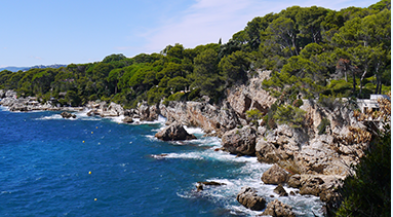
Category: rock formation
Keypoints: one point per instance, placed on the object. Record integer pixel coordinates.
(278, 208)
(240, 141)
(248, 197)
(211, 119)
(67, 115)
(274, 175)
(174, 132)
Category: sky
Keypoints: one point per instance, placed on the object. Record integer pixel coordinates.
(46, 32)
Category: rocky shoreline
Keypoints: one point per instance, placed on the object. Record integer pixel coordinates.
(302, 158)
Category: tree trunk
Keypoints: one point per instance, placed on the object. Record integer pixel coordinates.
(361, 85)
(354, 82)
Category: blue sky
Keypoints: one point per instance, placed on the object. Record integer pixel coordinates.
(68, 31)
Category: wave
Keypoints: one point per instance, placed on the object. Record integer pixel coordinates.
(249, 174)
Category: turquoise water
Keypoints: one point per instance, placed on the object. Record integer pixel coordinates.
(45, 163)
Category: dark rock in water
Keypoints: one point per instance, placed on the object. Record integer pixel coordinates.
(274, 175)
(240, 141)
(248, 197)
(128, 120)
(277, 208)
(280, 190)
(199, 187)
(67, 115)
(292, 193)
(174, 132)
(211, 183)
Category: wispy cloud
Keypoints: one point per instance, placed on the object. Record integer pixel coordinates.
(36, 57)
(209, 20)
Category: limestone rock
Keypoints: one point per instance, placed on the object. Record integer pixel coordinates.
(147, 113)
(274, 175)
(248, 197)
(174, 132)
(278, 208)
(280, 190)
(240, 141)
(211, 119)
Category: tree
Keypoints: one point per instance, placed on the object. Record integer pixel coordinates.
(234, 67)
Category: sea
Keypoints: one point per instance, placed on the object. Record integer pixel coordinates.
(91, 166)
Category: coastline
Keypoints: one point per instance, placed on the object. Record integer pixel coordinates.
(313, 163)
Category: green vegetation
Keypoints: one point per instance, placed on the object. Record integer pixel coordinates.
(368, 192)
(314, 53)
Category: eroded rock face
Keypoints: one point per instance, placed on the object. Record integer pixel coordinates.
(248, 197)
(278, 208)
(211, 119)
(275, 175)
(148, 113)
(67, 115)
(174, 132)
(240, 141)
(252, 96)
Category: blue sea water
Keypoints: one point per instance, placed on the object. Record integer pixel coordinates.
(91, 166)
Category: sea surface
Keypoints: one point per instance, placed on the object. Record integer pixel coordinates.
(92, 166)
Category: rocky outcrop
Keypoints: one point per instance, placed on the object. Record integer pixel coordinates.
(211, 119)
(251, 96)
(174, 132)
(280, 190)
(148, 113)
(67, 115)
(128, 120)
(248, 197)
(278, 208)
(274, 175)
(325, 186)
(240, 141)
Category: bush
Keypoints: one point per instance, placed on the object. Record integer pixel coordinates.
(289, 115)
(297, 103)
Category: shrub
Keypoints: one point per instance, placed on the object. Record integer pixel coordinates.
(289, 115)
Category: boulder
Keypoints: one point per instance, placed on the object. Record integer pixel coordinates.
(67, 115)
(280, 190)
(240, 141)
(278, 208)
(2, 94)
(212, 183)
(274, 175)
(248, 197)
(128, 120)
(174, 132)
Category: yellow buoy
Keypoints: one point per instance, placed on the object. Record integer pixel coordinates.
(91, 132)
(95, 199)
(89, 172)
(96, 127)
(83, 141)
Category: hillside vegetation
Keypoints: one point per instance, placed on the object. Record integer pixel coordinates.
(314, 53)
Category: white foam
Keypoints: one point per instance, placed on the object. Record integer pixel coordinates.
(249, 174)
(194, 130)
